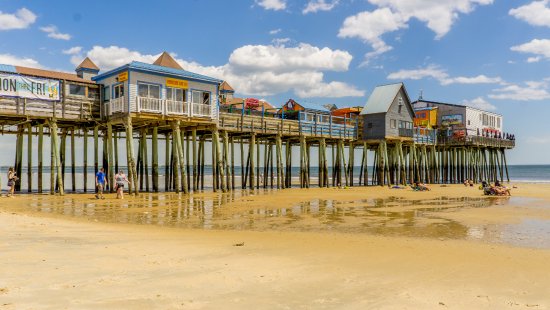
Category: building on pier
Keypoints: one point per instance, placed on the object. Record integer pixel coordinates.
(159, 90)
(388, 114)
(462, 119)
(36, 93)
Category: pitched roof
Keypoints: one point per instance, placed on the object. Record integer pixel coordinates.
(165, 60)
(381, 99)
(225, 86)
(7, 68)
(51, 74)
(312, 106)
(137, 65)
(451, 104)
(87, 63)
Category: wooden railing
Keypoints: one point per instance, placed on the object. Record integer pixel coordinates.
(273, 125)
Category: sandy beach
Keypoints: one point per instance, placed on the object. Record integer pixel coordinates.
(358, 248)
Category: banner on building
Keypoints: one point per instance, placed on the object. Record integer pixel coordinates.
(454, 119)
(177, 83)
(13, 85)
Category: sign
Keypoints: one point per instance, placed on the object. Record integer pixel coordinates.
(13, 85)
(449, 120)
(177, 83)
(123, 76)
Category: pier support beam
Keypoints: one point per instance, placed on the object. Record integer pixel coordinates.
(155, 159)
(40, 155)
(132, 173)
(85, 159)
(29, 158)
(57, 157)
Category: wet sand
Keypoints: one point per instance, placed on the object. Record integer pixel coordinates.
(360, 248)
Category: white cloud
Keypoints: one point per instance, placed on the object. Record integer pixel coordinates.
(280, 41)
(536, 13)
(22, 19)
(431, 71)
(332, 89)
(538, 140)
(275, 31)
(539, 47)
(281, 58)
(480, 103)
(533, 90)
(392, 15)
(319, 5)
(259, 70)
(369, 26)
(52, 32)
(435, 72)
(275, 5)
(17, 61)
(73, 50)
(480, 79)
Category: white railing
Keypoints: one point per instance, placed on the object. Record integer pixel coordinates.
(161, 106)
(176, 107)
(201, 110)
(116, 105)
(152, 105)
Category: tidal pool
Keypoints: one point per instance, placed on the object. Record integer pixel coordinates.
(391, 216)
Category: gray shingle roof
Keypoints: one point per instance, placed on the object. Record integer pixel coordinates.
(381, 99)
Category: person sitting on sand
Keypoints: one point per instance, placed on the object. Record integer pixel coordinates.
(120, 178)
(501, 191)
(471, 183)
(420, 187)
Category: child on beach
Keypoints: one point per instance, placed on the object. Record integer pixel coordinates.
(100, 181)
(120, 178)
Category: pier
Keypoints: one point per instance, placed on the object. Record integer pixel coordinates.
(133, 107)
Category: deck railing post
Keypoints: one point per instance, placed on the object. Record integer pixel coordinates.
(330, 126)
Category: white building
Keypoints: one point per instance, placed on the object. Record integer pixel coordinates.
(456, 117)
(162, 88)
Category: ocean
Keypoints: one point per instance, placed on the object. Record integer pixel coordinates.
(518, 173)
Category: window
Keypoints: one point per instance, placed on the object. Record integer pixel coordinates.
(405, 125)
(201, 97)
(149, 90)
(393, 123)
(468, 122)
(498, 122)
(118, 91)
(106, 93)
(176, 94)
(77, 90)
(93, 93)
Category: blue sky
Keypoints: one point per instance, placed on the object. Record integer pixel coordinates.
(492, 54)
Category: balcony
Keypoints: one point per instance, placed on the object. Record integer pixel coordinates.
(150, 105)
(161, 107)
(405, 132)
(116, 105)
(176, 107)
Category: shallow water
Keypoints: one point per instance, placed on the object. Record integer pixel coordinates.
(389, 217)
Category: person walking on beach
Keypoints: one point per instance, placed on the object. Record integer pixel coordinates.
(12, 177)
(120, 178)
(100, 182)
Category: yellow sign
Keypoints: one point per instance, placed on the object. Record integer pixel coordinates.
(123, 76)
(177, 83)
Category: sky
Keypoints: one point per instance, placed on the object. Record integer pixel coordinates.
(490, 54)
